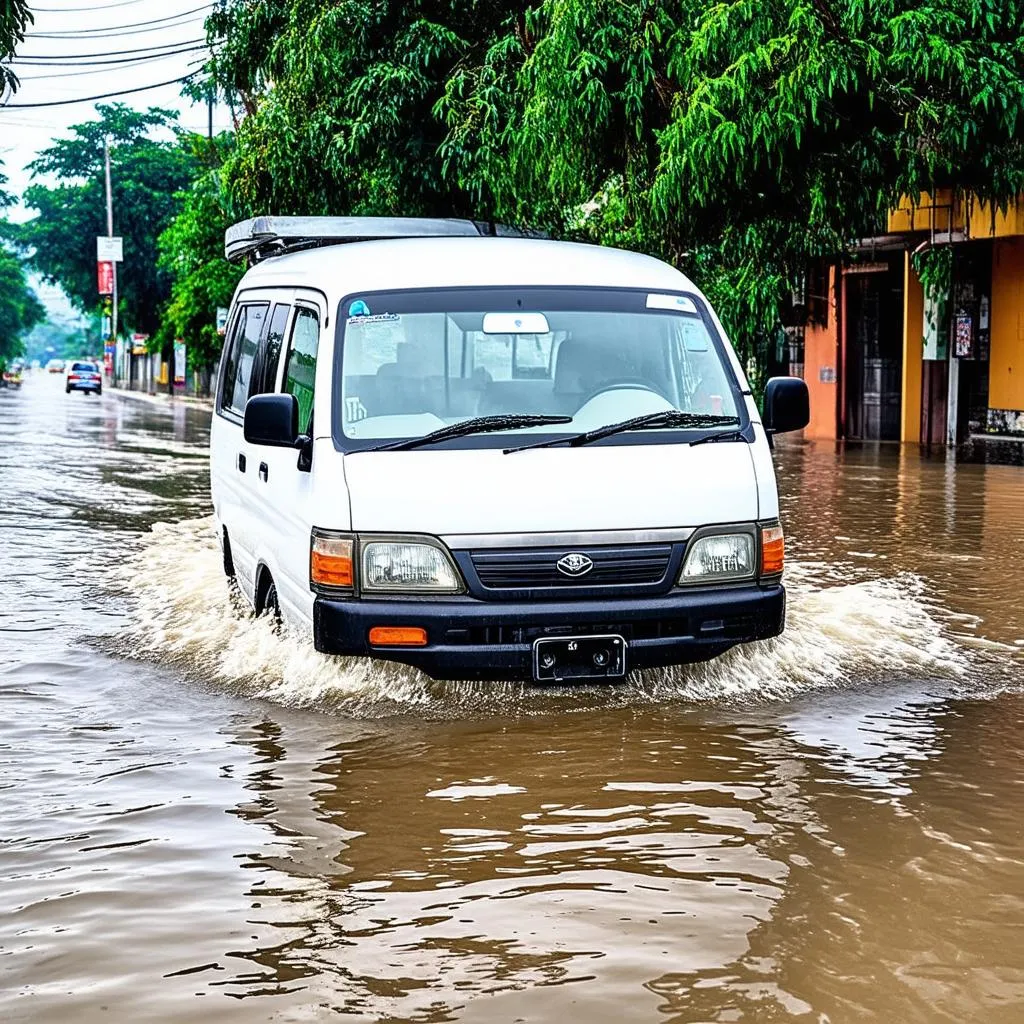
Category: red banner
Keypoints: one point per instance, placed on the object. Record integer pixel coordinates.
(105, 276)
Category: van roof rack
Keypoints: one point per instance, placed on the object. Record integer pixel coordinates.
(261, 237)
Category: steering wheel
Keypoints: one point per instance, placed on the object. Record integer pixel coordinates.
(627, 384)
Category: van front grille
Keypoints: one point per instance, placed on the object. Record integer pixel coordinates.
(530, 569)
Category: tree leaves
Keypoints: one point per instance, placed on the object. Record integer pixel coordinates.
(15, 17)
(192, 254)
(740, 138)
(20, 310)
(147, 175)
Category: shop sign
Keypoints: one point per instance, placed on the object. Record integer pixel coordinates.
(866, 268)
(105, 277)
(964, 336)
(109, 249)
(179, 362)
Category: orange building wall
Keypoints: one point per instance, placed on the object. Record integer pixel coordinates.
(1006, 361)
(821, 370)
(913, 352)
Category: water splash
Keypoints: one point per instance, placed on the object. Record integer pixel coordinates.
(186, 615)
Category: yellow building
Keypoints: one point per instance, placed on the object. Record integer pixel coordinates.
(963, 372)
(884, 362)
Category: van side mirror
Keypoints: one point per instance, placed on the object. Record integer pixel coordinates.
(787, 405)
(272, 420)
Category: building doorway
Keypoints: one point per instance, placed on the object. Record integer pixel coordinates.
(874, 350)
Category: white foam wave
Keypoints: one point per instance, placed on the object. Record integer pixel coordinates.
(836, 634)
(186, 615)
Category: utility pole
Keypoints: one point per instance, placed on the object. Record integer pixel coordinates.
(110, 232)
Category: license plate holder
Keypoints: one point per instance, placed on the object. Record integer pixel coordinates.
(566, 658)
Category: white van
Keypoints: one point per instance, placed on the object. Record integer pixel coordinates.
(492, 456)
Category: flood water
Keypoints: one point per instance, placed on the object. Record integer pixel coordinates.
(202, 820)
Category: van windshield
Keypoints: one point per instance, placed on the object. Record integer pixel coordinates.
(411, 363)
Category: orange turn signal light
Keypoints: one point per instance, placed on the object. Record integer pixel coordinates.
(773, 550)
(398, 636)
(330, 562)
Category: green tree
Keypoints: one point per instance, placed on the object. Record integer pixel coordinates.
(151, 165)
(20, 310)
(739, 140)
(342, 101)
(15, 17)
(53, 340)
(743, 139)
(192, 253)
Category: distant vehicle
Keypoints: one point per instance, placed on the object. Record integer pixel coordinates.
(84, 377)
(55, 366)
(492, 457)
(11, 377)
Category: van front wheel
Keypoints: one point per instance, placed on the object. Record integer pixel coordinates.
(269, 604)
(228, 561)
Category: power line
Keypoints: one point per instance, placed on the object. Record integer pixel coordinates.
(90, 10)
(92, 99)
(109, 53)
(131, 24)
(93, 71)
(109, 33)
(106, 64)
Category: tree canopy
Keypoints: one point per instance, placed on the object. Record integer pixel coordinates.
(192, 253)
(738, 139)
(20, 310)
(341, 98)
(151, 165)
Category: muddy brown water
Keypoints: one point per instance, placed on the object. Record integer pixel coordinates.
(204, 821)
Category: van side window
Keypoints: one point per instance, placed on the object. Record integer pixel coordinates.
(264, 377)
(300, 370)
(241, 353)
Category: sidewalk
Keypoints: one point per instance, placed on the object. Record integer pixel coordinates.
(161, 398)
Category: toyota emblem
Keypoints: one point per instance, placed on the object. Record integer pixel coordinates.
(574, 564)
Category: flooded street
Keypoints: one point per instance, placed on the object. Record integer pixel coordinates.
(203, 820)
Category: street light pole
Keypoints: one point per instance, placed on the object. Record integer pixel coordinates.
(110, 232)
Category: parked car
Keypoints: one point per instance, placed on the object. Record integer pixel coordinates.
(85, 377)
(55, 366)
(11, 377)
(492, 457)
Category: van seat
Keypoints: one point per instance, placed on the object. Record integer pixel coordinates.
(517, 396)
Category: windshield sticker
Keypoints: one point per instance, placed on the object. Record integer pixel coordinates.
(379, 318)
(677, 303)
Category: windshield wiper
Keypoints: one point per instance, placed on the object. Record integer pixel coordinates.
(480, 425)
(652, 421)
(725, 435)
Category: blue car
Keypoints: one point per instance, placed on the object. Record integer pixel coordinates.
(83, 377)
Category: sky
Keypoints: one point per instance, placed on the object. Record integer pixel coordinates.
(59, 61)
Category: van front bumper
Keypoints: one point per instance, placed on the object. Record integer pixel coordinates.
(472, 639)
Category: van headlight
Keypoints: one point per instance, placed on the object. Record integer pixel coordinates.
(721, 556)
(406, 566)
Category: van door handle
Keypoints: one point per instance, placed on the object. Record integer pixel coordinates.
(264, 472)
(241, 463)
